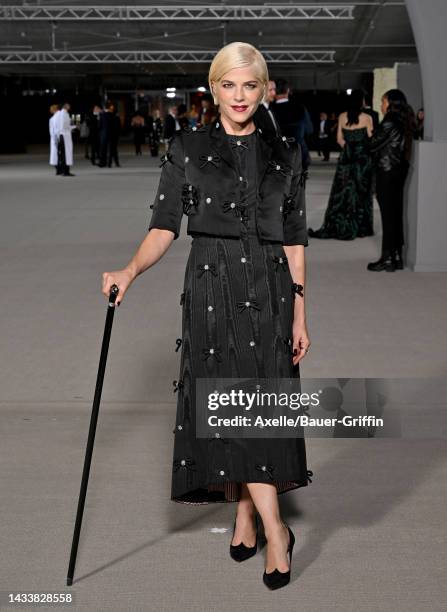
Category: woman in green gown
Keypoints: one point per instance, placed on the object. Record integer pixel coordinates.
(349, 213)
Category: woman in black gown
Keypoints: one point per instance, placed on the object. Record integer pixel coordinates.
(243, 310)
(349, 213)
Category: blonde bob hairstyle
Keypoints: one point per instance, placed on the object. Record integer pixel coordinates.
(238, 55)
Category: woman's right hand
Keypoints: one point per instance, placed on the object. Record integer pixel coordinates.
(122, 278)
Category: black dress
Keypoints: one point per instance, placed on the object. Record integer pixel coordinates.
(349, 213)
(236, 322)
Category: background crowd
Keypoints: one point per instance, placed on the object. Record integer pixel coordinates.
(374, 156)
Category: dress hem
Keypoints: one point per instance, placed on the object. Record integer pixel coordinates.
(289, 485)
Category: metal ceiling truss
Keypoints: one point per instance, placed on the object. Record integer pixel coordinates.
(176, 13)
(166, 57)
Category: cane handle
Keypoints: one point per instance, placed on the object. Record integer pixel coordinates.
(114, 290)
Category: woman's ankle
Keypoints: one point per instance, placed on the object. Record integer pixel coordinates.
(275, 529)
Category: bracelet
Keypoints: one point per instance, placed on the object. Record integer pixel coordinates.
(296, 288)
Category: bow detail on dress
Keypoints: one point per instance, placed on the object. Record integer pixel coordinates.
(178, 343)
(217, 436)
(189, 130)
(241, 306)
(245, 217)
(303, 178)
(206, 268)
(210, 159)
(237, 209)
(186, 463)
(288, 205)
(267, 469)
(178, 385)
(297, 289)
(280, 261)
(190, 197)
(288, 346)
(177, 428)
(238, 144)
(286, 141)
(274, 166)
(167, 157)
(215, 352)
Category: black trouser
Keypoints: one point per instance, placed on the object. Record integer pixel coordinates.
(103, 148)
(390, 196)
(324, 145)
(113, 153)
(94, 150)
(62, 167)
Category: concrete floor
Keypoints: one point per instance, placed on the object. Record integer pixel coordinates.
(370, 529)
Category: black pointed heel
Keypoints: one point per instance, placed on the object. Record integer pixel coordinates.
(240, 552)
(277, 579)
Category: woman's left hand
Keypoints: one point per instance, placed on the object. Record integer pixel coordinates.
(301, 341)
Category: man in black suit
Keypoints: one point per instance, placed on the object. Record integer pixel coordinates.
(265, 117)
(323, 136)
(105, 132)
(115, 130)
(93, 135)
(171, 124)
(293, 118)
(372, 113)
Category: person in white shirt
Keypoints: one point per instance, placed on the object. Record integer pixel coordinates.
(63, 131)
(54, 110)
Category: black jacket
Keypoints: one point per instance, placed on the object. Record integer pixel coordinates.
(263, 120)
(388, 144)
(169, 127)
(199, 178)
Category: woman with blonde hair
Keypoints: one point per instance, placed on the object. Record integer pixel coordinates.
(243, 312)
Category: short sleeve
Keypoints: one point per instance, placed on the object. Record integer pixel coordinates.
(295, 224)
(167, 208)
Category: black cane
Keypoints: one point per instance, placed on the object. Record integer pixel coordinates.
(91, 434)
